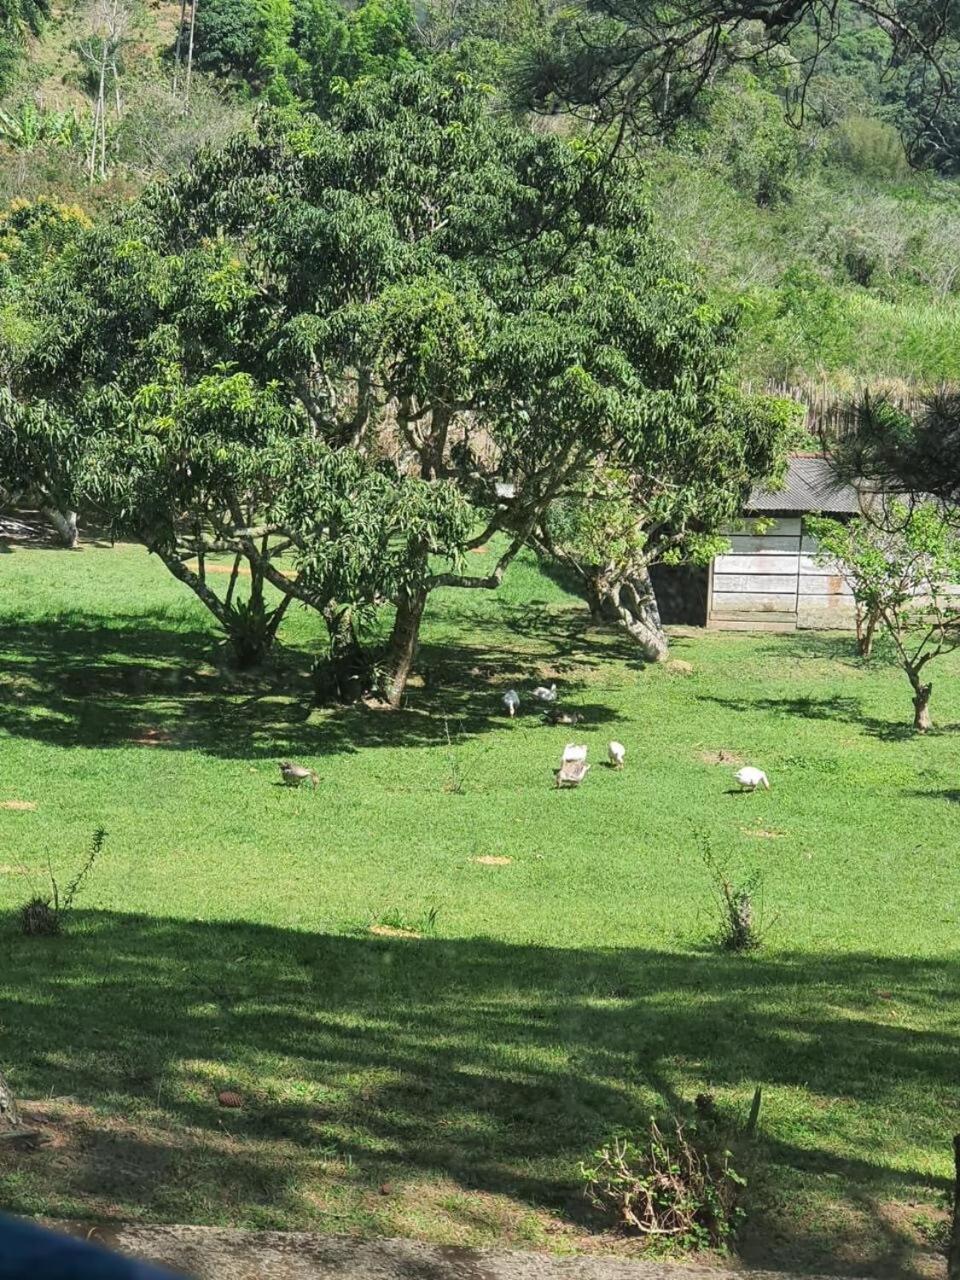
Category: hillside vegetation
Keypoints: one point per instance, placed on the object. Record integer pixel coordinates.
(843, 258)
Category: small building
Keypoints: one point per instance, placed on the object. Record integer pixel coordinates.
(769, 580)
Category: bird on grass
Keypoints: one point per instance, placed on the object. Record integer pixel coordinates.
(572, 774)
(750, 778)
(511, 702)
(543, 694)
(556, 716)
(296, 774)
(616, 753)
(573, 766)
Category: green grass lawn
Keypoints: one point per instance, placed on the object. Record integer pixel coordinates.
(447, 1086)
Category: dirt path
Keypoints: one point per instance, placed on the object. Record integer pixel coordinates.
(211, 1253)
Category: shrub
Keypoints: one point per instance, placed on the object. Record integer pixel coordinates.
(740, 906)
(738, 926)
(678, 1182)
(870, 148)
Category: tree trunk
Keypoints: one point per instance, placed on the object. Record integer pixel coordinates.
(953, 1248)
(179, 45)
(347, 672)
(8, 1104)
(600, 610)
(65, 523)
(921, 707)
(193, 24)
(636, 607)
(402, 649)
(866, 627)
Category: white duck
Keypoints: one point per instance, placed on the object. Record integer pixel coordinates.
(573, 766)
(543, 694)
(616, 753)
(511, 702)
(750, 778)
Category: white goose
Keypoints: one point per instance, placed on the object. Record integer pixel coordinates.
(543, 694)
(511, 702)
(573, 767)
(750, 778)
(616, 752)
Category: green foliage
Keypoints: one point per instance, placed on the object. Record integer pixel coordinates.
(34, 232)
(870, 148)
(250, 40)
(17, 17)
(29, 126)
(901, 564)
(741, 131)
(308, 49)
(623, 519)
(340, 47)
(232, 350)
(39, 447)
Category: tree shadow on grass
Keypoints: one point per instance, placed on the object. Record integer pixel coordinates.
(156, 682)
(846, 709)
(830, 646)
(490, 1066)
(949, 794)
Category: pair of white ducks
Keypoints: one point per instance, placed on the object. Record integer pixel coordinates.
(573, 765)
(543, 693)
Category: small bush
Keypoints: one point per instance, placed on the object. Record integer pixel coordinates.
(43, 917)
(738, 926)
(678, 1183)
(740, 907)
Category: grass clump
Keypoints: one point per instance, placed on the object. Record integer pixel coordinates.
(44, 916)
(740, 905)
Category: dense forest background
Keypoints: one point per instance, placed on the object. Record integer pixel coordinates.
(843, 256)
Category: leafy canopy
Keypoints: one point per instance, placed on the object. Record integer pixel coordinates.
(335, 338)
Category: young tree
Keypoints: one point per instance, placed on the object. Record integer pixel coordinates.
(110, 21)
(903, 567)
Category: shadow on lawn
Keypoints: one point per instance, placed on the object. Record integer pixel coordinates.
(831, 646)
(833, 707)
(69, 681)
(491, 1066)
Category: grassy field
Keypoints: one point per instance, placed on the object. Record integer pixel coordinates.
(447, 1085)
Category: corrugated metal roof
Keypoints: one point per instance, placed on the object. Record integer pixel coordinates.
(810, 486)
